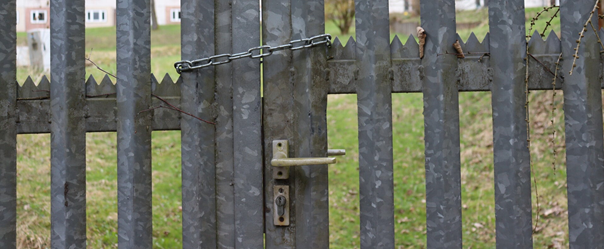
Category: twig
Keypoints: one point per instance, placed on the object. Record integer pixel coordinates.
(161, 99)
(482, 56)
(545, 9)
(545, 68)
(597, 35)
(553, 109)
(581, 35)
(99, 68)
(181, 111)
(99, 95)
(526, 108)
(549, 23)
(153, 108)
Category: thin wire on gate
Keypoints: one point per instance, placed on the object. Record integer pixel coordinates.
(254, 53)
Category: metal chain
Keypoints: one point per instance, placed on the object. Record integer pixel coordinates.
(254, 53)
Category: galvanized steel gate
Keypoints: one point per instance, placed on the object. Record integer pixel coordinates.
(228, 182)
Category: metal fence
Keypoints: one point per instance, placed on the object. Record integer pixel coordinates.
(229, 187)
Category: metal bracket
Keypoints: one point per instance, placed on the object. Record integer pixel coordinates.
(281, 213)
(280, 150)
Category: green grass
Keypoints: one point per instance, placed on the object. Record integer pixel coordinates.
(408, 147)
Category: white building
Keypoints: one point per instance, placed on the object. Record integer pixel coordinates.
(401, 6)
(33, 14)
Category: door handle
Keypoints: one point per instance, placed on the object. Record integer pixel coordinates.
(281, 158)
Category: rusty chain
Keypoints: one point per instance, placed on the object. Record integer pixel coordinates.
(254, 53)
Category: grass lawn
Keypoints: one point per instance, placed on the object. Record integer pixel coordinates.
(408, 130)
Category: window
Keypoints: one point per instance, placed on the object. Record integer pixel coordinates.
(175, 15)
(96, 16)
(38, 16)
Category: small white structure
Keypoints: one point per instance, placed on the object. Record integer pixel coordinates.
(399, 6)
(468, 4)
(475, 4)
(38, 41)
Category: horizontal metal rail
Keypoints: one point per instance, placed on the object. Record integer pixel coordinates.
(33, 113)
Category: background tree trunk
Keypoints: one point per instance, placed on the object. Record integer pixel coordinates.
(415, 7)
(154, 25)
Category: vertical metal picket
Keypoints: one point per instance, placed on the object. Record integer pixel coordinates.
(68, 124)
(8, 125)
(510, 145)
(134, 123)
(277, 112)
(198, 138)
(225, 211)
(247, 126)
(441, 122)
(374, 99)
(310, 117)
(583, 126)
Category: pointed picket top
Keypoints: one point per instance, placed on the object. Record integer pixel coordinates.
(44, 84)
(536, 44)
(106, 86)
(28, 89)
(411, 48)
(553, 44)
(396, 47)
(167, 80)
(167, 87)
(472, 44)
(350, 49)
(91, 86)
(336, 49)
(486, 43)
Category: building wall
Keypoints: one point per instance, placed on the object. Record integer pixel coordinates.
(21, 17)
(398, 6)
(29, 25)
(168, 15)
(109, 18)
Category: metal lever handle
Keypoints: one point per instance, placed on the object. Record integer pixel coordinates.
(281, 159)
(287, 162)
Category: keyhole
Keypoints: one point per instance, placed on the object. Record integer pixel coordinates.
(281, 201)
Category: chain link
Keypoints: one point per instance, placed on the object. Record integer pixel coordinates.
(254, 53)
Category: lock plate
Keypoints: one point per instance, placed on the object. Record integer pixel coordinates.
(281, 204)
(280, 151)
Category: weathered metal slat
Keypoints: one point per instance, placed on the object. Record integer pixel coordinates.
(407, 74)
(68, 124)
(583, 126)
(310, 117)
(374, 99)
(8, 125)
(474, 71)
(278, 114)
(225, 209)
(510, 138)
(34, 116)
(198, 139)
(247, 127)
(441, 118)
(134, 124)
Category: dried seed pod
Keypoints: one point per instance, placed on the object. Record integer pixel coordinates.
(421, 34)
(457, 47)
